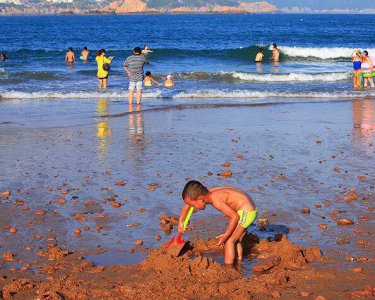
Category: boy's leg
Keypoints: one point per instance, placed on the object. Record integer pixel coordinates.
(105, 83)
(230, 251)
(100, 83)
(240, 247)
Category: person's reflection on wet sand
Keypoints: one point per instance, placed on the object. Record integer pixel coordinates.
(364, 115)
(135, 124)
(103, 128)
(364, 121)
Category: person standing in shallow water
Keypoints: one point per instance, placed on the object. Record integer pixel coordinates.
(275, 53)
(133, 66)
(102, 73)
(85, 53)
(69, 57)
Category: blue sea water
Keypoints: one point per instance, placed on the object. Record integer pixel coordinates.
(209, 56)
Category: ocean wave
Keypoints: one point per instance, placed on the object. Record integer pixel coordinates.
(291, 77)
(196, 94)
(262, 77)
(242, 53)
(36, 75)
(319, 52)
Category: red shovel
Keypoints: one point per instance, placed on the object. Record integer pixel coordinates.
(178, 240)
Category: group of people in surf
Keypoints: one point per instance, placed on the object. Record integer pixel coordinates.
(275, 54)
(133, 67)
(363, 69)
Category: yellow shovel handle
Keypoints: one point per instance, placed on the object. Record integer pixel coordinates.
(191, 209)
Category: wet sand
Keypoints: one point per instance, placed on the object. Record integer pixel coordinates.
(95, 181)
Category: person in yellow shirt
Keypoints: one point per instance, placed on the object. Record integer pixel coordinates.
(103, 68)
(148, 81)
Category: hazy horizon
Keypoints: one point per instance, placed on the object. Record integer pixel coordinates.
(325, 4)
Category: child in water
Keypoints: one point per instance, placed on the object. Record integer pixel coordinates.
(357, 63)
(234, 203)
(69, 57)
(149, 80)
(259, 56)
(169, 82)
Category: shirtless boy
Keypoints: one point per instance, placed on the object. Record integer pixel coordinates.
(85, 53)
(234, 203)
(69, 57)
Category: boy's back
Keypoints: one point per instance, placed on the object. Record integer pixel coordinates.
(236, 199)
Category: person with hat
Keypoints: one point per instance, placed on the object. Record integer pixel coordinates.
(357, 62)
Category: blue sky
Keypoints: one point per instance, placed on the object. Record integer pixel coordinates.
(325, 4)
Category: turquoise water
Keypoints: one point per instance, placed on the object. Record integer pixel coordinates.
(209, 56)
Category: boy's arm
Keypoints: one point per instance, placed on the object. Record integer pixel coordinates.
(230, 213)
(183, 214)
(154, 81)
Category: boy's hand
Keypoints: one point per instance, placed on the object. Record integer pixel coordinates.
(222, 239)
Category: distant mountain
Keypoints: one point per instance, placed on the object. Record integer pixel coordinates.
(132, 6)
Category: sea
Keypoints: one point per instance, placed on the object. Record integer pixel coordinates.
(210, 56)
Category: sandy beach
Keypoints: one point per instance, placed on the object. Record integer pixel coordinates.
(80, 187)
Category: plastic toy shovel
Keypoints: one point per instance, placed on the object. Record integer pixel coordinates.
(178, 241)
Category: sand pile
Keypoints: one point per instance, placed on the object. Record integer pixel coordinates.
(165, 276)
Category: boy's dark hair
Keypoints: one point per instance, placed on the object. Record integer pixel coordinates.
(260, 50)
(274, 45)
(365, 52)
(137, 50)
(193, 189)
(84, 48)
(70, 49)
(148, 73)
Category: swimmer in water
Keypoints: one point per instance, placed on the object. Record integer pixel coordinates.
(169, 82)
(3, 56)
(69, 57)
(367, 68)
(357, 63)
(275, 53)
(148, 81)
(85, 53)
(259, 56)
(146, 51)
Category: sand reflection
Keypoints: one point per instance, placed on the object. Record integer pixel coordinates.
(364, 115)
(103, 128)
(135, 124)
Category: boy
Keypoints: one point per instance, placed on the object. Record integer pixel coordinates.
(234, 203)
(148, 81)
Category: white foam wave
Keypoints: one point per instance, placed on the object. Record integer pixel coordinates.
(268, 94)
(296, 77)
(196, 94)
(322, 53)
